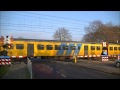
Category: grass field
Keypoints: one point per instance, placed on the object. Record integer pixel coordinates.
(3, 70)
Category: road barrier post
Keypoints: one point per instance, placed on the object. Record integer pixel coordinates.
(119, 56)
(75, 56)
(104, 57)
(29, 66)
(5, 60)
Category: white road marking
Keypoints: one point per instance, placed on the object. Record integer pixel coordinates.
(47, 66)
(63, 75)
(51, 68)
(57, 71)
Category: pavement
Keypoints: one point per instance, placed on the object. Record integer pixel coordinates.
(18, 70)
(104, 66)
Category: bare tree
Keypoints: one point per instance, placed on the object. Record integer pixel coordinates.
(62, 34)
(92, 31)
(94, 26)
(97, 31)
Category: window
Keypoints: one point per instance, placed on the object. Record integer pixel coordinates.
(78, 47)
(49, 47)
(97, 47)
(57, 47)
(118, 48)
(115, 48)
(65, 47)
(111, 48)
(72, 47)
(40, 47)
(19, 46)
(92, 47)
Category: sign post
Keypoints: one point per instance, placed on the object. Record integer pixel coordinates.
(75, 56)
(5, 44)
(104, 51)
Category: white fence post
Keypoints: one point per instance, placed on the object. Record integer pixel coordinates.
(29, 66)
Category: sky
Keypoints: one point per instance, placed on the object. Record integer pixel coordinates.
(43, 24)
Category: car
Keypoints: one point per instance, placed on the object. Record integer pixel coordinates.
(117, 63)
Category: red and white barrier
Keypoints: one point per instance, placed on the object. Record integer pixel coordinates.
(5, 61)
(17, 56)
(89, 56)
(118, 56)
(104, 58)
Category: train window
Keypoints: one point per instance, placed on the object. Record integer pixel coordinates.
(65, 47)
(97, 47)
(40, 47)
(19, 46)
(49, 47)
(92, 47)
(72, 47)
(111, 48)
(57, 47)
(118, 48)
(115, 48)
(78, 47)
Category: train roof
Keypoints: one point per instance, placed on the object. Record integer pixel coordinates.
(44, 40)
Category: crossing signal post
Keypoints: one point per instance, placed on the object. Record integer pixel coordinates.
(104, 53)
(5, 43)
(7, 40)
(7, 46)
(104, 48)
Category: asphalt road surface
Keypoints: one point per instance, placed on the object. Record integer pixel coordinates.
(56, 70)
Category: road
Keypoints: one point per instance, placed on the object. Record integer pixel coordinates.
(55, 70)
(64, 70)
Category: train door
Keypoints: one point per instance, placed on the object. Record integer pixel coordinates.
(30, 50)
(85, 49)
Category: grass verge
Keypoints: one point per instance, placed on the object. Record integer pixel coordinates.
(3, 70)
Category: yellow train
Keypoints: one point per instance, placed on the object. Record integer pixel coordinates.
(21, 48)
